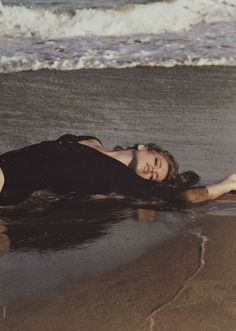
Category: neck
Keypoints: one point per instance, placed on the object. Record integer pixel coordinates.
(124, 157)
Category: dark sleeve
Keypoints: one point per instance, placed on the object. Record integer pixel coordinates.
(136, 186)
(66, 167)
(87, 171)
(70, 138)
(124, 180)
(82, 169)
(142, 188)
(112, 176)
(14, 196)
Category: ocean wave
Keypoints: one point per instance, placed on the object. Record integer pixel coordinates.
(17, 63)
(153, 18)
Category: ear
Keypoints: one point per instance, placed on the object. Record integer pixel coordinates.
(141, 147)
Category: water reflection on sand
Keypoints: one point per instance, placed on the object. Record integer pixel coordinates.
(75, 239)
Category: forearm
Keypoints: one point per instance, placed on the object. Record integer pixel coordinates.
(211, 192)
(216, 190)
(195, 195)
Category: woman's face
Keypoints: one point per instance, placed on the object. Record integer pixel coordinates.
(149, 164)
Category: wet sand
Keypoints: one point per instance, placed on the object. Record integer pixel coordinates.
(208, 301)
(118, 300)
(186, 283)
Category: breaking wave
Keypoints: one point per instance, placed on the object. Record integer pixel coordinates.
(152, 18)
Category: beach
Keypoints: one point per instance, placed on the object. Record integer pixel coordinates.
(208, 300)
(187, 281)
(115, 264)
(127, 72)
(119, 300)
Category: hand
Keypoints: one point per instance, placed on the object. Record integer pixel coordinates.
(211, 192)
(224, 186)
(230, 182)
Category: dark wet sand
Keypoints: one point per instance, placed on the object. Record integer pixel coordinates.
(117, 301)
(186, 283)
(208, 301)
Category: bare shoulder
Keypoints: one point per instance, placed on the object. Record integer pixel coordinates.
(94, 143)
(2, 180)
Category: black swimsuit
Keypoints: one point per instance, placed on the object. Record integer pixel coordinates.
(64, 165)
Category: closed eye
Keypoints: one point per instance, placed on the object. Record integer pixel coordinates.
(158, 162)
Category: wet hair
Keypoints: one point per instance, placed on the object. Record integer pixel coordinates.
(184, 179)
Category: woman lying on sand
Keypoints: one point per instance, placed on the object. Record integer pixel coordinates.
(80, 164)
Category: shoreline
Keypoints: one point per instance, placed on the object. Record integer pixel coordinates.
(208, 300)
(177, 66)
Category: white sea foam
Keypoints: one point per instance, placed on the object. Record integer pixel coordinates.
(24, 63)
(151, 18)
(202, 45)
(183, 32)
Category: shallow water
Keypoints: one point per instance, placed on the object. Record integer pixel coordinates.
(75, 3)
(51, 250)
(192, 112)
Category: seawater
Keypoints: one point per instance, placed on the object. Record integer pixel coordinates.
(76, 3)
(78, 34)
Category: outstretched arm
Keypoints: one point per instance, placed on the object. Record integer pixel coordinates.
(210, 192)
